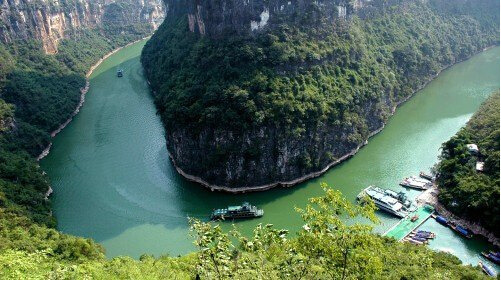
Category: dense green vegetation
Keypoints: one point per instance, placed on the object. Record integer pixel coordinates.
(38, 92)
(305, 91)
(303, 74)
(463, 190)
(325, 248)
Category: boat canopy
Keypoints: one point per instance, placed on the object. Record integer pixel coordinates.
(441, 220)
(463, 230)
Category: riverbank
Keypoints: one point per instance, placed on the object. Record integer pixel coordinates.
(430, 196)
(117, 144)
(83, 92)
(309, 176)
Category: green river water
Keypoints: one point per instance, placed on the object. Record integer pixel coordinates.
(113, 181)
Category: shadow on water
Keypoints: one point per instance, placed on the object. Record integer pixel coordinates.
(113, 181)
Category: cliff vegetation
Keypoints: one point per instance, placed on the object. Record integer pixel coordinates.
(288, 100)
(325, 248)
(465, 191)
(39, 92)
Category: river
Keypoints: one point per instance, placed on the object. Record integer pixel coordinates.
(113, 181)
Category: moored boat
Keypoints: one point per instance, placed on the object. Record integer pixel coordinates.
(245, 210)
(384, 201)
(461, 230)
(413, 241)
(423, 234)
(426, 176)
(416, 183)
(486, 269)
(441, 220)
(402, 198)
(491, 256)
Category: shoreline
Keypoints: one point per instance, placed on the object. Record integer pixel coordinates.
(312, 175)
(83, 92)
(430, 196)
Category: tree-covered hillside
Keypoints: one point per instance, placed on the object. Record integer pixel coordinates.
(249, 110)
(465, 191)
(325, 248)
(39, 92)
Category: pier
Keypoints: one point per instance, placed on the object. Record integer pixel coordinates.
(406, 225)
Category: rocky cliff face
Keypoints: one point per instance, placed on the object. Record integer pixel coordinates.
(260, 93)
(215, 18)
(262, 158)
(50, 21)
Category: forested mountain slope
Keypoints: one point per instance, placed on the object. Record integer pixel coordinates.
(41, 91)
(465, 191)
(258, 93)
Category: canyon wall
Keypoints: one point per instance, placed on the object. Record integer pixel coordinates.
(215, 18)
(260, 93)
(50, 21)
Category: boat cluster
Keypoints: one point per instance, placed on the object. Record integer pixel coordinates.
(492, 256)
(419, 237)
(463, 231)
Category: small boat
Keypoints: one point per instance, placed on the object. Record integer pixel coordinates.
(486, 269)
(413, 241)
(384, 201)
(491, 256)
(120, 73)
(424, 234)
(426, 176)
(243, 211)
(441, 220)
(461, 230)
(420, 239)
(416, 183)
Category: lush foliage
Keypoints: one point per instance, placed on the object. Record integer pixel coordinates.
(463, 190)
(301, 81)
(299, 75)
(326, 248)
(38, 93)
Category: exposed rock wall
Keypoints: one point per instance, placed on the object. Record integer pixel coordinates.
(263, 158)
(50, 21)
(243, 155)
(215, 18)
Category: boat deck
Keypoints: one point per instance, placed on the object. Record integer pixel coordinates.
(406, 225)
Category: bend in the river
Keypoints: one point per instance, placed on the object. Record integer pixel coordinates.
(113, 180)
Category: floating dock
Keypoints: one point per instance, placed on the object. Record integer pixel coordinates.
(408, 224)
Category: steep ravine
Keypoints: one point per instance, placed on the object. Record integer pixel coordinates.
(258, 94)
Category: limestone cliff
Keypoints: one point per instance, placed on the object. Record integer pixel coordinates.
(259, 93)
(247, 16)
(50, 21)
